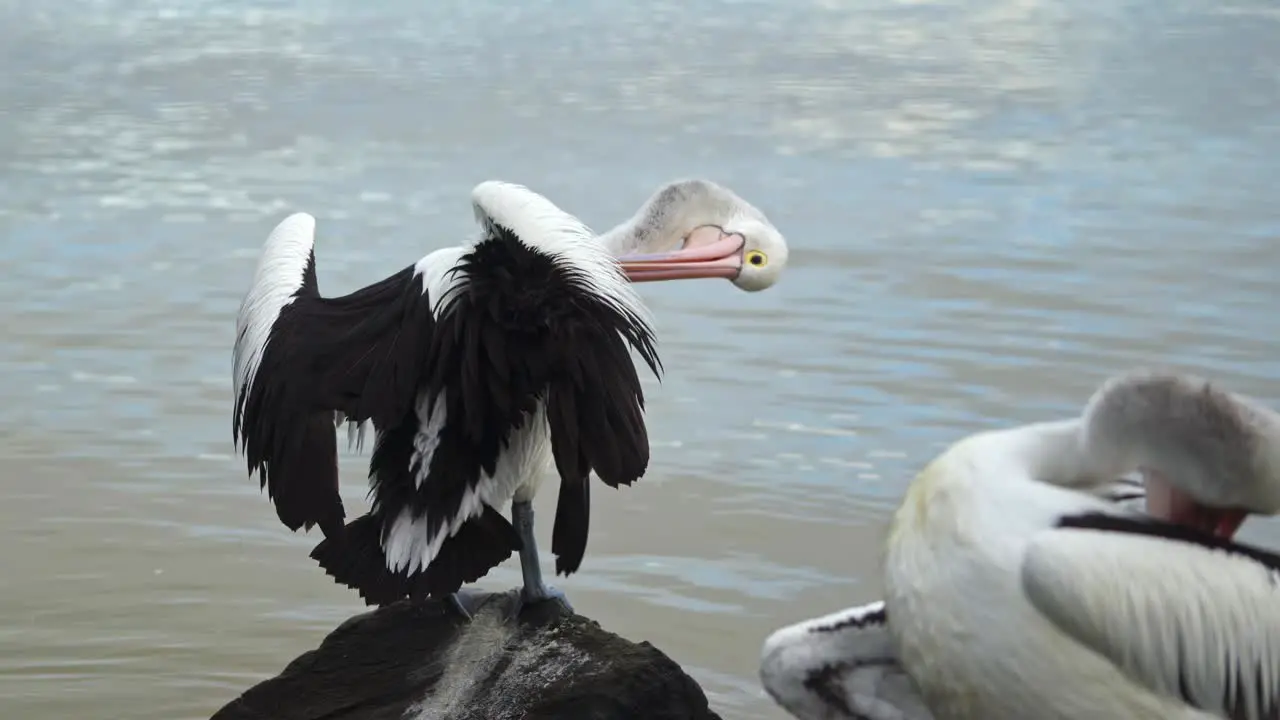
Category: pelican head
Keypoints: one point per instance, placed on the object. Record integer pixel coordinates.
(698, 229)
(1208, 457)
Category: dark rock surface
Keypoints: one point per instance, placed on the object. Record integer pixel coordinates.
(418, 661)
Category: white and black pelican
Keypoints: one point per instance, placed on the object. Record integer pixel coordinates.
(476, 366)
(1014, 591)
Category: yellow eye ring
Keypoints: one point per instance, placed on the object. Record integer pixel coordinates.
(755, 258)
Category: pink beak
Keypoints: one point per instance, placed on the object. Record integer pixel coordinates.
(708, 252)
(1170, 504)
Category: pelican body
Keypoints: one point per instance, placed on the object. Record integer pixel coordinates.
(1020, 584)
(478, 366)
(844, 665)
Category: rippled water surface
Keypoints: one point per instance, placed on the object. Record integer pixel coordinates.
(991, 205)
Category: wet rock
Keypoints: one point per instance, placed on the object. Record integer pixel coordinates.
(418, 661)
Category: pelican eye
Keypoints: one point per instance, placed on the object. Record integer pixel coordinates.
(755, 258)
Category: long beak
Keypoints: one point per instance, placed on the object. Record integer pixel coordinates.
(1170, 504)
(719, 259)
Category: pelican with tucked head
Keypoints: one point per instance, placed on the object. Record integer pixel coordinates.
(1016, 587)
(477, 366)
(1010, 594)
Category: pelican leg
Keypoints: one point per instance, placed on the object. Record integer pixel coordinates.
(534, 589)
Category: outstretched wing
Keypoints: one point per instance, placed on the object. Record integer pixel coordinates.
(1185, 614)
(840, 666)
(300, 357)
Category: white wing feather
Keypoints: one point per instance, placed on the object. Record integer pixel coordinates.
(275, 281)
(1186, 620)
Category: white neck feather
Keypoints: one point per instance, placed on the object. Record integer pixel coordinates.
(1053, 452)
(630, 236)
(676, 208)
(1221, 449)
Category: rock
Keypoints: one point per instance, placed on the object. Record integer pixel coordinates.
(418, 661)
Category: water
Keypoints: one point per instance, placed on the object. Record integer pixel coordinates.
(991, 206)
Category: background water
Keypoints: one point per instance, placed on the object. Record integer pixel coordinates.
(992, 204)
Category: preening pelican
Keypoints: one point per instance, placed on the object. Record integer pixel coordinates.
(476, 366)
(1022, 582)
(843, 666)
(1010, 594)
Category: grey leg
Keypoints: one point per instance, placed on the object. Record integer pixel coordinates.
(534, 589)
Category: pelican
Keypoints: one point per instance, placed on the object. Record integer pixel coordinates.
(1017, 587)
(476, 366)
(843, 666)
(1010, 594)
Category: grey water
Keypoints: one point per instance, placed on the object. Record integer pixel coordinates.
(991, 205)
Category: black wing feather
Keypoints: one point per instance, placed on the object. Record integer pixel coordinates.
(523, 329)
(519, 329)
(360, 354)
(573, 519)
(355, 559)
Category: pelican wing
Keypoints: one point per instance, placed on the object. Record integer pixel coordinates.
(533, 326)
(300, 358)
(566, 298)
(839, 666)
(1186, 615)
